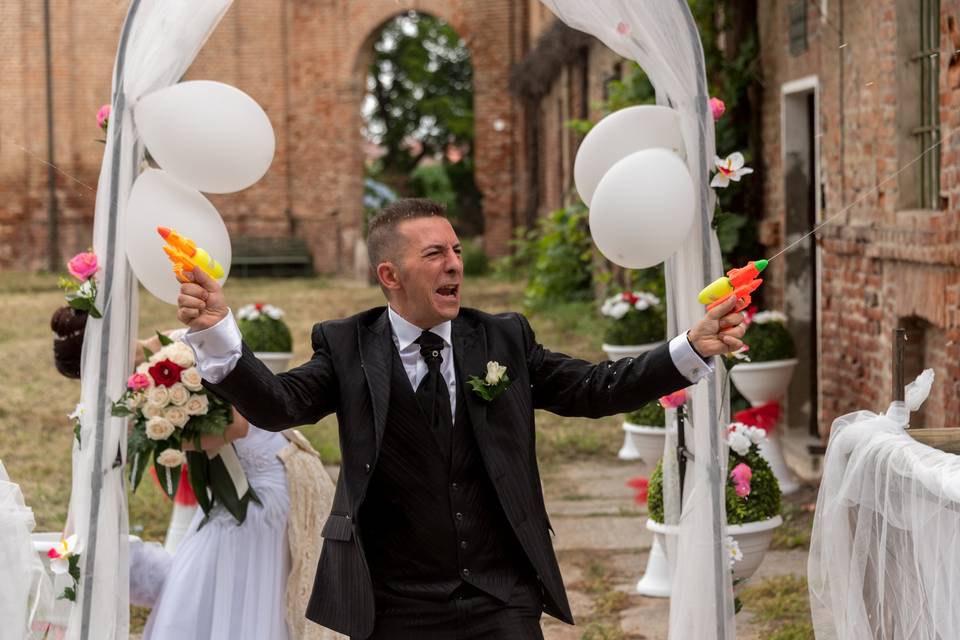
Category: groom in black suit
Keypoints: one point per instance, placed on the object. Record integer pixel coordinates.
(438, 527)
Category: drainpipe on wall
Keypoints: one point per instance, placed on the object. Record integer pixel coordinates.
(53, 230)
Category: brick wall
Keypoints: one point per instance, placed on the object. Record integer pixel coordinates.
(880, 267)
(304, 62)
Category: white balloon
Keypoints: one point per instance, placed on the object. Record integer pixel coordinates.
(207, 134)
(643, 208)
(157, 199)
(618, 135)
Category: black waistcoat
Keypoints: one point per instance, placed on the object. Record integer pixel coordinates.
(431, 519)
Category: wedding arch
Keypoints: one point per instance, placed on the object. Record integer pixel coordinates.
(662, 37)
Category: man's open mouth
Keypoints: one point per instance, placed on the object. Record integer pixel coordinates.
(449, 290)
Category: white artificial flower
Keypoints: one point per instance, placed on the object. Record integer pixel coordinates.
(730, 168)
(60, 554)
(738, 442)
(144, 367)
(756, 435)
(248, 312)
(191, 379)
(179, 394)
(181, 355)
(152, 410)
(177, 416)
(197, 405)
(171, 458)
(136, 400)
(77, 412)
(159, 428)
(763, 317)
(495, 372)
(740, 354)
(645, 300)
(158, 395)
(272, 311)
(733, 551)
(615, 307)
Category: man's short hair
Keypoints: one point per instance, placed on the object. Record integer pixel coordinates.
(383, 241)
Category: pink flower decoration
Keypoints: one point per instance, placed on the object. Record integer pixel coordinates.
(103, 116)
(138, 381)
(717, 107)
(82, 266)
(741, 475)
(675, 400)
(623, 28)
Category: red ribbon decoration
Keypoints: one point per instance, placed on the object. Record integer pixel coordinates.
(763, 417)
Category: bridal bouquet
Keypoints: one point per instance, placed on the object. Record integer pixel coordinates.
(169, 406)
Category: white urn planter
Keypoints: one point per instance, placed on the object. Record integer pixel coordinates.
(276, 361)
(642, 443)
(760, 383)
(635, 443)
(753, 538)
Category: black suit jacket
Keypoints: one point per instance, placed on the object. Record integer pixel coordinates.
(349, 374)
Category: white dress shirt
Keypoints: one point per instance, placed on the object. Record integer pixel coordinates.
(218, 349)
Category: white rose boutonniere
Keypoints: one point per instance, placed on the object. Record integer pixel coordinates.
(494, 383)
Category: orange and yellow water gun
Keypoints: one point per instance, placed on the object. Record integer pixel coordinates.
(185, 255)
(738, 282)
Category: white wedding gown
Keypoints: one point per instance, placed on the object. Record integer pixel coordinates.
(226, 581)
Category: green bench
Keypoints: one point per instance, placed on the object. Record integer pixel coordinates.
(277, 257)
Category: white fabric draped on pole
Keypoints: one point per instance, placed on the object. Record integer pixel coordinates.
(662, 37)
(885, 552)
(158, 42)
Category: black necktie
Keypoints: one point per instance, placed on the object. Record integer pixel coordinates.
(432, 394)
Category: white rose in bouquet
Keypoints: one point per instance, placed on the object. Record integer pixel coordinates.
(176, 415)
(144, 368)
(152, 410)
(136, 400)
(739, 443)
(172, 458)
(181, 354)
(159, 428)
(191, 379)
(179, 394)
(197, 405)
(158, 395)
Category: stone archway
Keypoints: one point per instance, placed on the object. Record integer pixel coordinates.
(327, 84)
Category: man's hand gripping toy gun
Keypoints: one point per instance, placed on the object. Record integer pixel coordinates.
(185, 255)
(738, 282)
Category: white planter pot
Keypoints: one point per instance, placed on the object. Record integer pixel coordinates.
(642, 443)
(760, 383)
(276, 361)
(763, 382)
(617, 351)
(753, 537)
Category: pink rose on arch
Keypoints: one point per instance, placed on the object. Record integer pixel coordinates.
(138, 381)
(83, 265)
(103, 117)
(717, 108)
(741, 475)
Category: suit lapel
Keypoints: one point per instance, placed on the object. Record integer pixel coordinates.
(376, 349)
(470, 359)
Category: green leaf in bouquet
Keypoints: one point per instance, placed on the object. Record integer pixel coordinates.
(224, 491)
(147, 354)
(138, 453)
(120, 408)
(198, 472)
(164, 340)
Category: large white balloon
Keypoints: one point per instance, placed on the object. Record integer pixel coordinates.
(207, 134)
(618, 135)
(157, 199)
(643, 208)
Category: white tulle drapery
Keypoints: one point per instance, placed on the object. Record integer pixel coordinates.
(159, 40)
(662, 37)
(885, 552)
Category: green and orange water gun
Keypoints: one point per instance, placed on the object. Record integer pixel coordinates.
(185, 255)
(738, 282)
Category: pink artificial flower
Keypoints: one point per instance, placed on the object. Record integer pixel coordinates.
(675, 400)
(623, 28)
(83, 265)
(642, 486)
(717, 107)
(741, 475)
(138, 381)
(103, 117)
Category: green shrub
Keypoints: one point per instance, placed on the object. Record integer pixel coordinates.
(637, 327)
(649, 415)
(475, 261)
(561, 255)
(762, 503)
(768, 341)
(264, 333)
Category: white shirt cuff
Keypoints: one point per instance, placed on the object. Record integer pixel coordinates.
(686, 360)
(217, 348)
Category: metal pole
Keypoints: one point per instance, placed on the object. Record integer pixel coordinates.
(53, 217)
